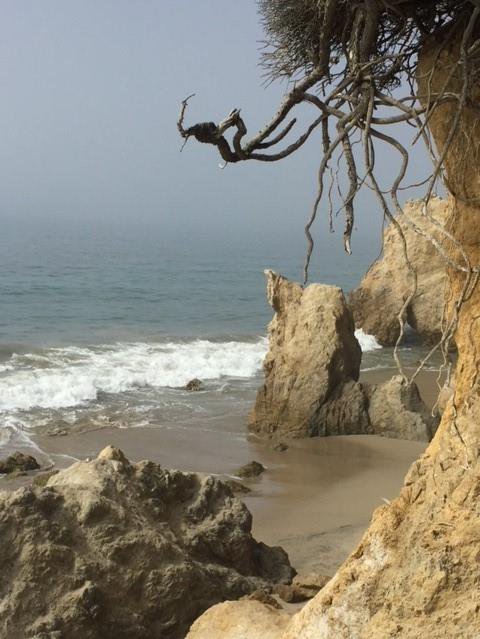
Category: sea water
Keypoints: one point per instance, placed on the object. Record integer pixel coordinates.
(103, 323)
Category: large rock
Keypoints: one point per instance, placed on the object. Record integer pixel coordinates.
(377, 302)
(397, 410)
(313, 358)
(117, 550)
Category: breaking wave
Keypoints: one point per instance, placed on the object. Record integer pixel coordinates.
(58, 378)
(367, 342)
(71, 376)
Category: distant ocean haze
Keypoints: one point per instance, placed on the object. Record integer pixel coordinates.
(65, 282)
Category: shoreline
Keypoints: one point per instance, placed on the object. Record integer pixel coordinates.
(315, 499)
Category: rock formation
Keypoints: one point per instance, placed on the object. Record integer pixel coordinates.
(311, 373)
(313, 358)
(397, 410)
(117, 550)
(379, 299)
(416, 571)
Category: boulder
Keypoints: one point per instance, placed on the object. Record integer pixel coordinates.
(379, 298)
(18, 463)
(112, 549)
(240, 620)
(252, 469)
(313, 358)
(194, 385)
(397, 410)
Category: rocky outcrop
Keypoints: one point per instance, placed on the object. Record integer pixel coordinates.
(397, 410)
(112, 549)
(311, 373)
(312, 366)
(377, 302)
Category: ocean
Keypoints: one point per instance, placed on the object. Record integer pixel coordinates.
(103, 323)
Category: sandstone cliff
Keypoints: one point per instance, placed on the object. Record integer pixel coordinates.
(117, 550)
(379, 298)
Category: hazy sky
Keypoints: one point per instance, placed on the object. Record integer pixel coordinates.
(90, 97)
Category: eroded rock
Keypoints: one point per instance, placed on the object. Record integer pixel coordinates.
(240, 620)
(397, 410)
(313, 358)
(113, 549)
(18, 463)
(252, 469)
(377, 302)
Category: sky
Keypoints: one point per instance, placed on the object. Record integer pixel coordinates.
(90, 97)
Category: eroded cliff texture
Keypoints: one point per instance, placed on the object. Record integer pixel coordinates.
(378, 300)
(312, 365)
(416, 572)
(114, 550)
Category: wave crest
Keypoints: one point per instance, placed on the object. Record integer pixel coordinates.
(66, 377)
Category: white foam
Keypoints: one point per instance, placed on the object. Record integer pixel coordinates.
(73, 376)
(367, 342)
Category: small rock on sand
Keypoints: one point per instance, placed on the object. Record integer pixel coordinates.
(253, 469)
(18, 463)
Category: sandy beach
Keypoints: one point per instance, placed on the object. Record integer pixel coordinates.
(315, 499)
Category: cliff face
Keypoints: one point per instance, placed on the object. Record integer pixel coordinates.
(117, 550)
(313, 357)
(379, 298)
(416, 571)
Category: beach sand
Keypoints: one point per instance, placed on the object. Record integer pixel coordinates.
(315, 499)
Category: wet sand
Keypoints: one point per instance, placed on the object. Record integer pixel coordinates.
(315, 499)
(318, 499)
